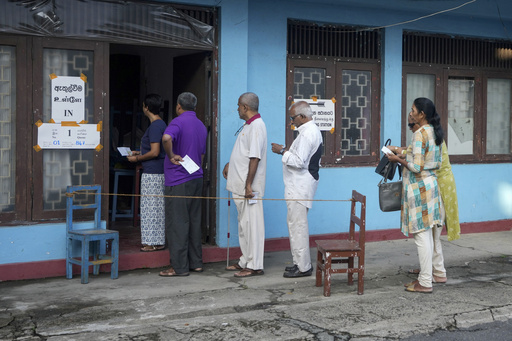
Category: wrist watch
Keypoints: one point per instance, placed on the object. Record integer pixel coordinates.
(282, 151)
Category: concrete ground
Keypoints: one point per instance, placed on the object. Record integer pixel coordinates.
(214, 305)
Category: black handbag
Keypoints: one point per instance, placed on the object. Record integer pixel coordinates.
(385, 166)
(390, 194)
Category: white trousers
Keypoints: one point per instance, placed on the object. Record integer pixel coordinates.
(251, 232)
(430, 254)
(298, 230)
(437, 257)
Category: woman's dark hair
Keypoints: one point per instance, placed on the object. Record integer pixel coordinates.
(433, 118)
(153, 102)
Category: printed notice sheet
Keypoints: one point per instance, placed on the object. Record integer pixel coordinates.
(68, 136)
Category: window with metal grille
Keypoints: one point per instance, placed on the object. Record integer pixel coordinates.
(340, 63)
(469, 80)
(456, 51)
(323, 40)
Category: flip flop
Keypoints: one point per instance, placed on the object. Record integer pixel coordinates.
(249, 273)
(197, 270)
(234, 267)
(437, 279)
(419, 288)
(170, 273)
(411, 283)
(151, 248)
(414, 271)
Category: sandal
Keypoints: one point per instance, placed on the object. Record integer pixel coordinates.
(170, 272)
(249, 273)
(411, 283)
(234, 267)
(419, 288)
(151, 248)
(414, 271)
(197, 270)
(437, 279)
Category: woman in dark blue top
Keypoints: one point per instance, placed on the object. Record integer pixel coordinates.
(152, 155)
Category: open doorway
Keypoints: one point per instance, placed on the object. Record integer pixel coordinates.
(136, 71)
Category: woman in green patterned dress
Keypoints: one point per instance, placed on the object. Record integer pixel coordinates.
(450, 213)
(421, 200)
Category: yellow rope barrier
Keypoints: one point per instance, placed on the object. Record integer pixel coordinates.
(208, 198)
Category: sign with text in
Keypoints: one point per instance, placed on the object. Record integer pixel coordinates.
(68, 98)
(323, 112)
(68, 135)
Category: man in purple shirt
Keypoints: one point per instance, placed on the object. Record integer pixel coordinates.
(185, 136)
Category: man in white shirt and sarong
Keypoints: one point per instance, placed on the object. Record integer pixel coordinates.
(245, 173)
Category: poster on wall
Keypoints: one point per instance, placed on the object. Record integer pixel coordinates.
(67, 128)
(68, 135)
(68, 98)
(323, 112)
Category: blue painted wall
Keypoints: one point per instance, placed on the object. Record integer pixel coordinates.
(266, 76)
(41, 242)
(252, 57)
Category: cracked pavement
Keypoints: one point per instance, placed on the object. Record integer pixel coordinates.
(214, 305)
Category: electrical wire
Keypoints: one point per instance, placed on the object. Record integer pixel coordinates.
(501, 19)
(412, 20)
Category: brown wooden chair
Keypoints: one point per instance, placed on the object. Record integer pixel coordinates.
(335, 251)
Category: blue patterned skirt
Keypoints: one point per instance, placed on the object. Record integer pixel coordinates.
(152, 213)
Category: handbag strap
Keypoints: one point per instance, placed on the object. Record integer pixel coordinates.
(388, 170)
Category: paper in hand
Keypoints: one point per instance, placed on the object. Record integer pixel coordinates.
(386, 150)
(189, 164)
(125, 151)
(253, 199)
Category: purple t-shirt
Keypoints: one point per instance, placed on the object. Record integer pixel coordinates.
(153, 135)
(188, 138)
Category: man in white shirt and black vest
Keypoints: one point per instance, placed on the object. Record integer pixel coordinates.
(301, 163)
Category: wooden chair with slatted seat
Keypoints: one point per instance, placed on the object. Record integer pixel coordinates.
(336, 251)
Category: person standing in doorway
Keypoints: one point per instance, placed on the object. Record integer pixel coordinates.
(301, 163)
(245, 173)
(152, 155)
(185, 136)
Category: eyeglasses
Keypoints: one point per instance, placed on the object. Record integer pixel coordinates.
(293, 117)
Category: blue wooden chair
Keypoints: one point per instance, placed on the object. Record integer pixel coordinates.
(92, 239)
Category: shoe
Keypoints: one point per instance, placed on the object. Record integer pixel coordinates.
(291, 268)
(419, 288)
(297, 273)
